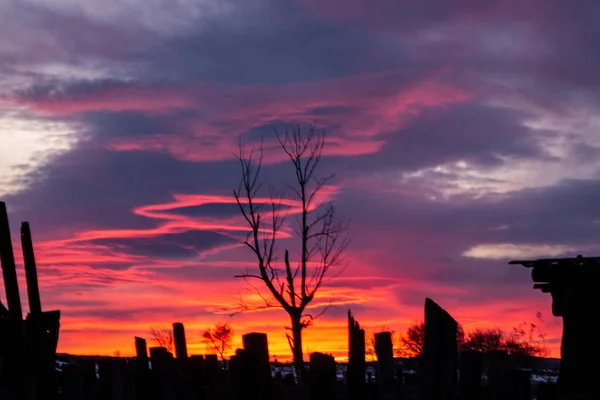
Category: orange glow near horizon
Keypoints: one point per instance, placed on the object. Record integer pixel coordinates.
(328, 340)
(329, 336)
(120, 304)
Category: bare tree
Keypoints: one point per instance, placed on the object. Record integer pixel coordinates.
(219, 337)
(515, 343)
(370, 346)
(413, 341)
(321, 234)
(526, 339)
(162, 336)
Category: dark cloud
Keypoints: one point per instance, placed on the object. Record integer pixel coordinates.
(366, 282)
(468, 132)
(202, 273)
(168, 246)
(476, 295)
(294, 45)
(137, 313)
(97, 188)
(549, 43)
(220, 210)
(64, 37)
(564, 213)
(134, 124)
(56, 266)
(335, 312)
(330, 110)
(423, 241)
(211, 209)
(267, 131)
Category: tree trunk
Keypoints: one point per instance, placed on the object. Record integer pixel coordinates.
(297, 350)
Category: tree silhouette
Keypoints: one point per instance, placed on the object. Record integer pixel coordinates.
(412, 342)
(515, 343)
(321, 234)
(219, 337)
(524, 340)
(370, 342)
(484, 340)
(162, 336)
(527, 340)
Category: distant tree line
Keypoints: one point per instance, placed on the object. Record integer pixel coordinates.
(523, 340)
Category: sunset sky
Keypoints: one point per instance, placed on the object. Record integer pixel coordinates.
(462, 134)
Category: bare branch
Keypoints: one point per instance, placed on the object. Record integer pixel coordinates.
(290, 279)
(290, 342)
(311, 318)
(320, 231)
(162, 336)
(248, 276)
(220, 337)
(249, 186)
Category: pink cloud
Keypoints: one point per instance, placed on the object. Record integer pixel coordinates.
(370, 104)
(376, 105)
